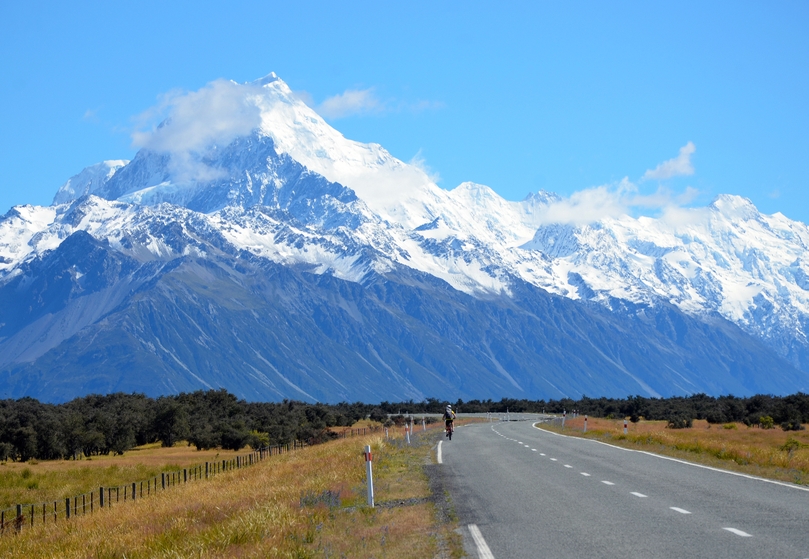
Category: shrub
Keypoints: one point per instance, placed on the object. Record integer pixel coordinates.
(793, 424)
(729, 426)
(790, 446)
(680, 422)
(766, 422)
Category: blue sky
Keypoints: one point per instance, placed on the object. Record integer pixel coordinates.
(559, 96)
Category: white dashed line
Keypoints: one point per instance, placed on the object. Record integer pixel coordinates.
(542, 454)
(483, 549)
(568, 466)
(681, 511)
(636, 494)
(553, 459)
(585, 474)
(533, 450)
(738, 532)
(607, 482)
(438, 457)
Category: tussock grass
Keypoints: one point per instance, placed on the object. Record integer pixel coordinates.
(310, 503)
(770, 453)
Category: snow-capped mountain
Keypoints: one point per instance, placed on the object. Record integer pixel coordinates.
(276, 184)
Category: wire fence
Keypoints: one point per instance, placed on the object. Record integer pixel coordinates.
(15, 518)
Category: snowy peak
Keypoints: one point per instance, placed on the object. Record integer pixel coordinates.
(735, 207)
(89, 181)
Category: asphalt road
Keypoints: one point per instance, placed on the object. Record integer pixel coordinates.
(522, 492)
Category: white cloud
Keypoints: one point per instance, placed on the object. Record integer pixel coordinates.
(349, 103)
(191, 123)
(613, 201)
(420, 163)
(358, 102)
(680, 165)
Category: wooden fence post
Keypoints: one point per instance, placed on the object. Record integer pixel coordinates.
(101, 497)
(67, 508)
(18, 520)
(134, 492)
(163, 479)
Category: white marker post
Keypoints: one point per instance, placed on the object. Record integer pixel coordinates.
(370, 475)
(585, 423)
(407, 434)
(423, 424)
(564, 416)
(624, 426)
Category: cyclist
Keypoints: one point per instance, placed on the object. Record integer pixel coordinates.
(449, 418)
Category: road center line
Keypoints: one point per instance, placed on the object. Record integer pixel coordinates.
(483, 549)
(438, 457)
(681, 511)
(636, 494)
(607, 482)
(568, 466)
(553, 459)
(585, 474)
(542, 454)
(533, 450)
(738, 532)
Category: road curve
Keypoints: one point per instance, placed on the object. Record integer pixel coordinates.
(527, 493)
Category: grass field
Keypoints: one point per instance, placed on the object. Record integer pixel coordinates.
(770, 453)
(310, 503)
(37, 482)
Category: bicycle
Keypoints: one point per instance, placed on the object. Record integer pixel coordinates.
(450, 429)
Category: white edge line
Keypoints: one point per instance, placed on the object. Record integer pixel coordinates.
(438, 457)
(738, 532)
(781, 483)
(483, 549)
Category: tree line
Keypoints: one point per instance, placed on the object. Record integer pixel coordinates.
(790, 412)
(115, 423)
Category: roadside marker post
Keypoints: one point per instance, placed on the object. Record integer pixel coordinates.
(423, 424)
(407, 434)
(564, 416)
(585, 423)
(624, 426)
(370, 475)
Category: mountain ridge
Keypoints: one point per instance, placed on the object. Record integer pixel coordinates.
(279, 186)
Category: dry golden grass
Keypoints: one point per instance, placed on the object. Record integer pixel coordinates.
(734, 446)
(37, 482)
(282, 507)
